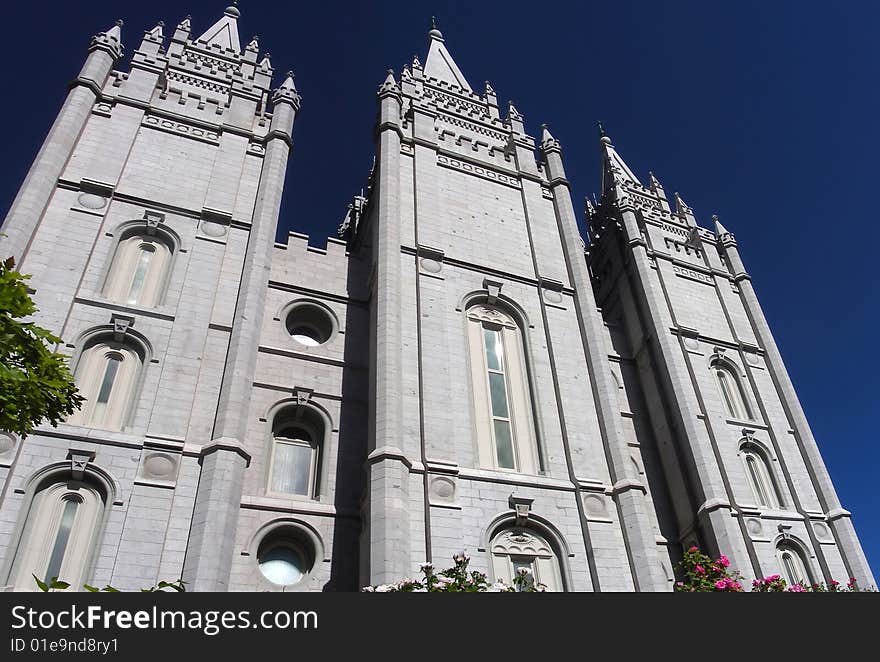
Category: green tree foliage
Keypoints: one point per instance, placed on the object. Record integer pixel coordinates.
(55, 584)
(35, 382)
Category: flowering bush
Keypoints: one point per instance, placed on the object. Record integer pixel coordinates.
(703, 575)
(458, 579)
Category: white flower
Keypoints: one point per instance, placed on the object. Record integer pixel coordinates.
(498, 587)
(427, 567)
(368, 589)
(384, 588)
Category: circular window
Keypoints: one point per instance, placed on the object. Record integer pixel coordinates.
(285, 558)
(283, 565)
(310, 324)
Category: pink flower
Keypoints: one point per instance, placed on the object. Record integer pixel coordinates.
(771, 578)
(679, 583)
(721, 584)
(723, 560)
(700, 570)
(796, 588)
(693, 549)
(834, 583)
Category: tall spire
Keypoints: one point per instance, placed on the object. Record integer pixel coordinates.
(439, 63)
(224, 33)
(615, 172)
(722, 232)
(111, 40)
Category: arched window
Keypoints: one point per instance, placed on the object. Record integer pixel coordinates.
(760, 476)
(729, 385)
(518, 549)
(106, 375)
(297, 439)
(59, 534)
(139, 269)
(793, 565)
(504, 424)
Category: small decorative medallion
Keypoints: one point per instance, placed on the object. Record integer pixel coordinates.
(552, 296)
(213, 229)
(594, 504)
(92, 200)
(443, 488)
(754, 526)
(822, 532)
(431, 266)
(159, 466)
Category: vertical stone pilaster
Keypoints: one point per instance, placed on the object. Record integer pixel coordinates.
(629, 492)
(33, 197)
(388, 513)
(839, 519)
(207, 564)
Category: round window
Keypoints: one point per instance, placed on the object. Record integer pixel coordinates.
(283, 564)
(310, 324)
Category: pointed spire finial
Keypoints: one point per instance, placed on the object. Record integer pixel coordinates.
(287, 92)
(548, 142)
(157, 33)
(720, 231)
(435, 33)
(389, 84)
(110, 40)
(603, 137)
(254, 44)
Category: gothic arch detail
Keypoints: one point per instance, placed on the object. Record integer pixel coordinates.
(108, 372)
(502, 396)
(299, 437)
(140, 267)
(734, 395)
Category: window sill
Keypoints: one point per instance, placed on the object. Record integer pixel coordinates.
(159, 312)
(746, 424)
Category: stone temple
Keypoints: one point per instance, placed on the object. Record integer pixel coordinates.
(456, 371)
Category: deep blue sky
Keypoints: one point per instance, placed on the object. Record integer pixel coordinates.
(762, 112)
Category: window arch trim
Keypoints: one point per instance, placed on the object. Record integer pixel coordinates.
(131, 341)
(722, 364)
(792, 543)
(537, 525)
(512, 309)
(139, 228)
(107, 487)
(750, 446)
(277, 421)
